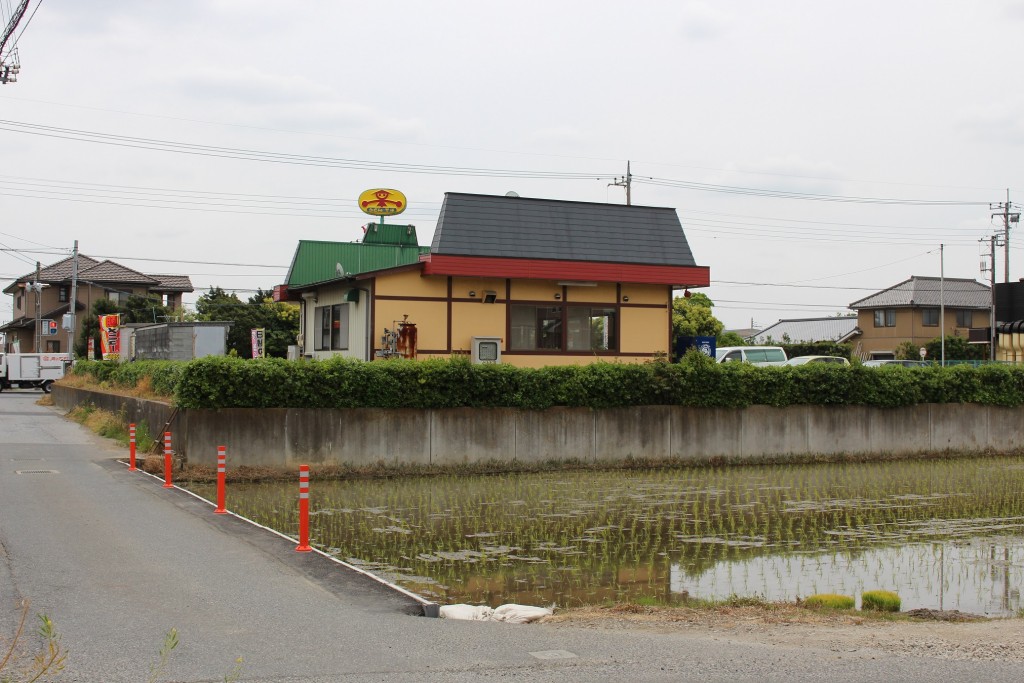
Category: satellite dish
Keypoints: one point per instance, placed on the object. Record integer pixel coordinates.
(339, 269)
(511, 193)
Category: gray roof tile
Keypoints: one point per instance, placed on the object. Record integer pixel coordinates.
(796, 330)
(929, 291)
(521, 227)
(108, 271)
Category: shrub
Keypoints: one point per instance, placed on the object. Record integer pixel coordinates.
(880, 601)
(830, 601)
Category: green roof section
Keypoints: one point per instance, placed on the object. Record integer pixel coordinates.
(317, 261)
(398, 235)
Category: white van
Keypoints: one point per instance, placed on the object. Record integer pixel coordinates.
(758, 355)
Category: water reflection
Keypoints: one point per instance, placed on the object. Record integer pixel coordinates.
(942, 533)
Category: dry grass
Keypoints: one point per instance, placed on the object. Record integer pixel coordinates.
(144, 389)
(708, 615)
(46, 400)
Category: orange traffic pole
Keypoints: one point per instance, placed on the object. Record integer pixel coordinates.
(221, 477)
(303, 546)
(167, 461)
(131, 447)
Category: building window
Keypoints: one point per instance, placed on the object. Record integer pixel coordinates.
(539, 328)
(52, 346)
(885, 317)
(62, 294)
(930, 317)
(964, 317)
(17, 302)
(591, 329)
(331, 323)
(114, 296)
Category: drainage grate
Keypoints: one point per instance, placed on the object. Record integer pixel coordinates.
(36, 472)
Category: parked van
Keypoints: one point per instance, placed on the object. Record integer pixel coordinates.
(758, 355)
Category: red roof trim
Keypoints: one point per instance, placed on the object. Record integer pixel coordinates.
(538, 269)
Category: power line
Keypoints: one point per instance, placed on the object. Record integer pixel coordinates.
(162, 260)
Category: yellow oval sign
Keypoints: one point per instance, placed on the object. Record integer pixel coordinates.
(382, 202)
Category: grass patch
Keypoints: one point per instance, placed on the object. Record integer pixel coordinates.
(880, 601)
(829, 601)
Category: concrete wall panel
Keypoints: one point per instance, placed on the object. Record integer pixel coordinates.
(554, 434)
(637, 433)
(465, 435)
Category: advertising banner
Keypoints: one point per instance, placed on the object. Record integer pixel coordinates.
(258, 343)
(109, 346)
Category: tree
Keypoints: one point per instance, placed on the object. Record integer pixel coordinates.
(91, 327)
(280, 320)
(692, 317)
(730, 339)
(957, 348)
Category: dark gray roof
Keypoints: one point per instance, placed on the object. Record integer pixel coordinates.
(521, 227)
(836, 328)
(929, 291)
(108, 271)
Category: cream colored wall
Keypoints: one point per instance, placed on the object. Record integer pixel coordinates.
(536, 361)
(462, 286)
(643, 330)
(535, 290)
(603, 292)
(411, 283)
(646, 294)
(430, 317)
(476, 319)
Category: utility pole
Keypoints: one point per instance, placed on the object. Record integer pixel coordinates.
(72, 304)
(992, 310)
(942, 302)
(625, 181)
(37, 286)
(1003, 209)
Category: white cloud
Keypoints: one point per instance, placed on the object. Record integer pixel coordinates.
(699, 21)
(996, 123)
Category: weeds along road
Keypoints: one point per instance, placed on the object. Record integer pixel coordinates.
(116, 561)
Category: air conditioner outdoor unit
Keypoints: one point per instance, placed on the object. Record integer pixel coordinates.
(486, 349)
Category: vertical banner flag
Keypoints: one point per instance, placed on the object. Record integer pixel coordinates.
(91, 352)
(109, 326)
(258, 343)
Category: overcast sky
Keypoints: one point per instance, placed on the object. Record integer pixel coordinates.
(916, 100)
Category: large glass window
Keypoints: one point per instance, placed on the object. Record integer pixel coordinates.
(930, 317)
(591, 329)
(331, 328)
(539, 328)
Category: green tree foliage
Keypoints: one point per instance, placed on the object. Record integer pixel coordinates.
(280, 320)
(907, 350)
(91, 327)
(730, 339)
(957, 348)
(692, 317)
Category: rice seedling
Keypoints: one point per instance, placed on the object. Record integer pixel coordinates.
(880, 601)
(829, 601)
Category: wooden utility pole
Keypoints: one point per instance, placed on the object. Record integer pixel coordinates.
(37, 287)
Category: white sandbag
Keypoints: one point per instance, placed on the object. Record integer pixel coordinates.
(466, 612)
(519, 614)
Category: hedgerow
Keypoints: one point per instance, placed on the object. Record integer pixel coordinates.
(223, 382)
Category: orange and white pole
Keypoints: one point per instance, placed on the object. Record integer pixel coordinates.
(303, 546)
(131, 447)
(167, 461)
(221, 477)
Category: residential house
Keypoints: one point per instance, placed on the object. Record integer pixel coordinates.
(542, 281)
(837, 328)
(96, 280)
(911, 311)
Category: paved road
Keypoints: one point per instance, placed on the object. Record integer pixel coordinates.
(116, 560)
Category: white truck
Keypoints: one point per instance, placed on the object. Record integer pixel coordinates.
(31, 370)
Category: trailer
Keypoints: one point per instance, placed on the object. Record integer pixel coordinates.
(31, 370)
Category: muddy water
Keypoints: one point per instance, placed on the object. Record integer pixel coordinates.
(942, 533)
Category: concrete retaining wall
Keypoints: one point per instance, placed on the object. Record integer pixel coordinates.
(288, 436)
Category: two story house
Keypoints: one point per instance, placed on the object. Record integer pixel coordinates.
(96, 280)
(911, 311)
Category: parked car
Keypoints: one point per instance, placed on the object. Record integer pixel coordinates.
(804, 360)
(758, 355)
(897, 363)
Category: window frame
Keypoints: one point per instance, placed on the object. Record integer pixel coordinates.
(965, 314)
(331, 328)
(926, 317)
(543, 328)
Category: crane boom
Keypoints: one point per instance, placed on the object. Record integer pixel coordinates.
(16, 17)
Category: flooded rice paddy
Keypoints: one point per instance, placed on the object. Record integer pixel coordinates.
(944, 534)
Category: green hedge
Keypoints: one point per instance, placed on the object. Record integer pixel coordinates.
(695, 381)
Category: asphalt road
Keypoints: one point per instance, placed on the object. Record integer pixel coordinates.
(116, 560)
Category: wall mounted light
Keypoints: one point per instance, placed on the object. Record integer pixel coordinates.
(558, 296)
(625, 299)
(472, 293)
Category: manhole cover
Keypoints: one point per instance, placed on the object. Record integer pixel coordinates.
(36, 472)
